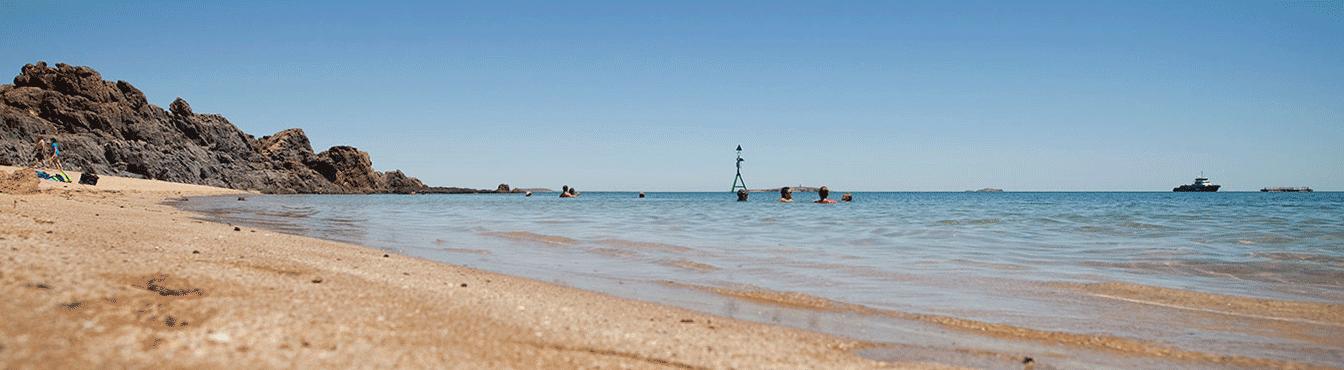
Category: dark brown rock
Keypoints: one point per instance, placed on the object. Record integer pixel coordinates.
(180, 107)
(397, 182)
(109, 128)
(349, 168)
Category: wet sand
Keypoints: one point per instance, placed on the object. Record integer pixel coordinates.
(114, 276)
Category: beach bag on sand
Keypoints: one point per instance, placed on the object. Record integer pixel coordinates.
(88, 178)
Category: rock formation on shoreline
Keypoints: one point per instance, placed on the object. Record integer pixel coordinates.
(110, 128)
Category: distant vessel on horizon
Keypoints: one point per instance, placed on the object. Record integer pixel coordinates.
(1282, 189)
(1201, 184)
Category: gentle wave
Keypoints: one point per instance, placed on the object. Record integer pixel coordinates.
(689, 265)
(1328, 314)
(1336, 261)
(652, 246)
(1276, 271)
(1107, 342)
(533, 237)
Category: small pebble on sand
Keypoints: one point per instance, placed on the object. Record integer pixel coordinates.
(235, 228)
(219, 337)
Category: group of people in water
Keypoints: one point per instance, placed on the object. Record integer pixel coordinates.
(786, 196)
(568, 192)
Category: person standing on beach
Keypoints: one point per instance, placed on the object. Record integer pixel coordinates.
(40, 156)
(785, 195)
(823, 193)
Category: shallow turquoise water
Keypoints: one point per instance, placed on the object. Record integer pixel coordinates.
(984, 256)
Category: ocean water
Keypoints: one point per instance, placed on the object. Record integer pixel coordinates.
(1078, 263)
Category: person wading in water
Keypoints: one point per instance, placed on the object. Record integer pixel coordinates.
(823, 193)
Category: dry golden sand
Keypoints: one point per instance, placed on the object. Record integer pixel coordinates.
(17, 182)
(111, 276)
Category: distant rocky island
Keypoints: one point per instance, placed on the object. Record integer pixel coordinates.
(986, 190)
(795, 189)
(1286, 189)
(110, 128)
(501, 189)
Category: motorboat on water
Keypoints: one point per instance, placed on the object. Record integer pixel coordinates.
(1201, 184)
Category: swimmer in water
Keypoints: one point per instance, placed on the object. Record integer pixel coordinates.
(565, 192)
(847, 197)
(742, 195)
(823, 193)
(785, 195)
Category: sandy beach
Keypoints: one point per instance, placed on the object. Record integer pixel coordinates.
(114, 276)
(1033, 185)
(118, 275)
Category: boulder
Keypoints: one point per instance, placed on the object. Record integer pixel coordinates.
(180, 107)
(349, 168)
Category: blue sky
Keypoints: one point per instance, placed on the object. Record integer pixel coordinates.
(1071, 95)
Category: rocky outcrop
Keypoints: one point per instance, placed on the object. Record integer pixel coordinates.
(180, 107)
(110, 128)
